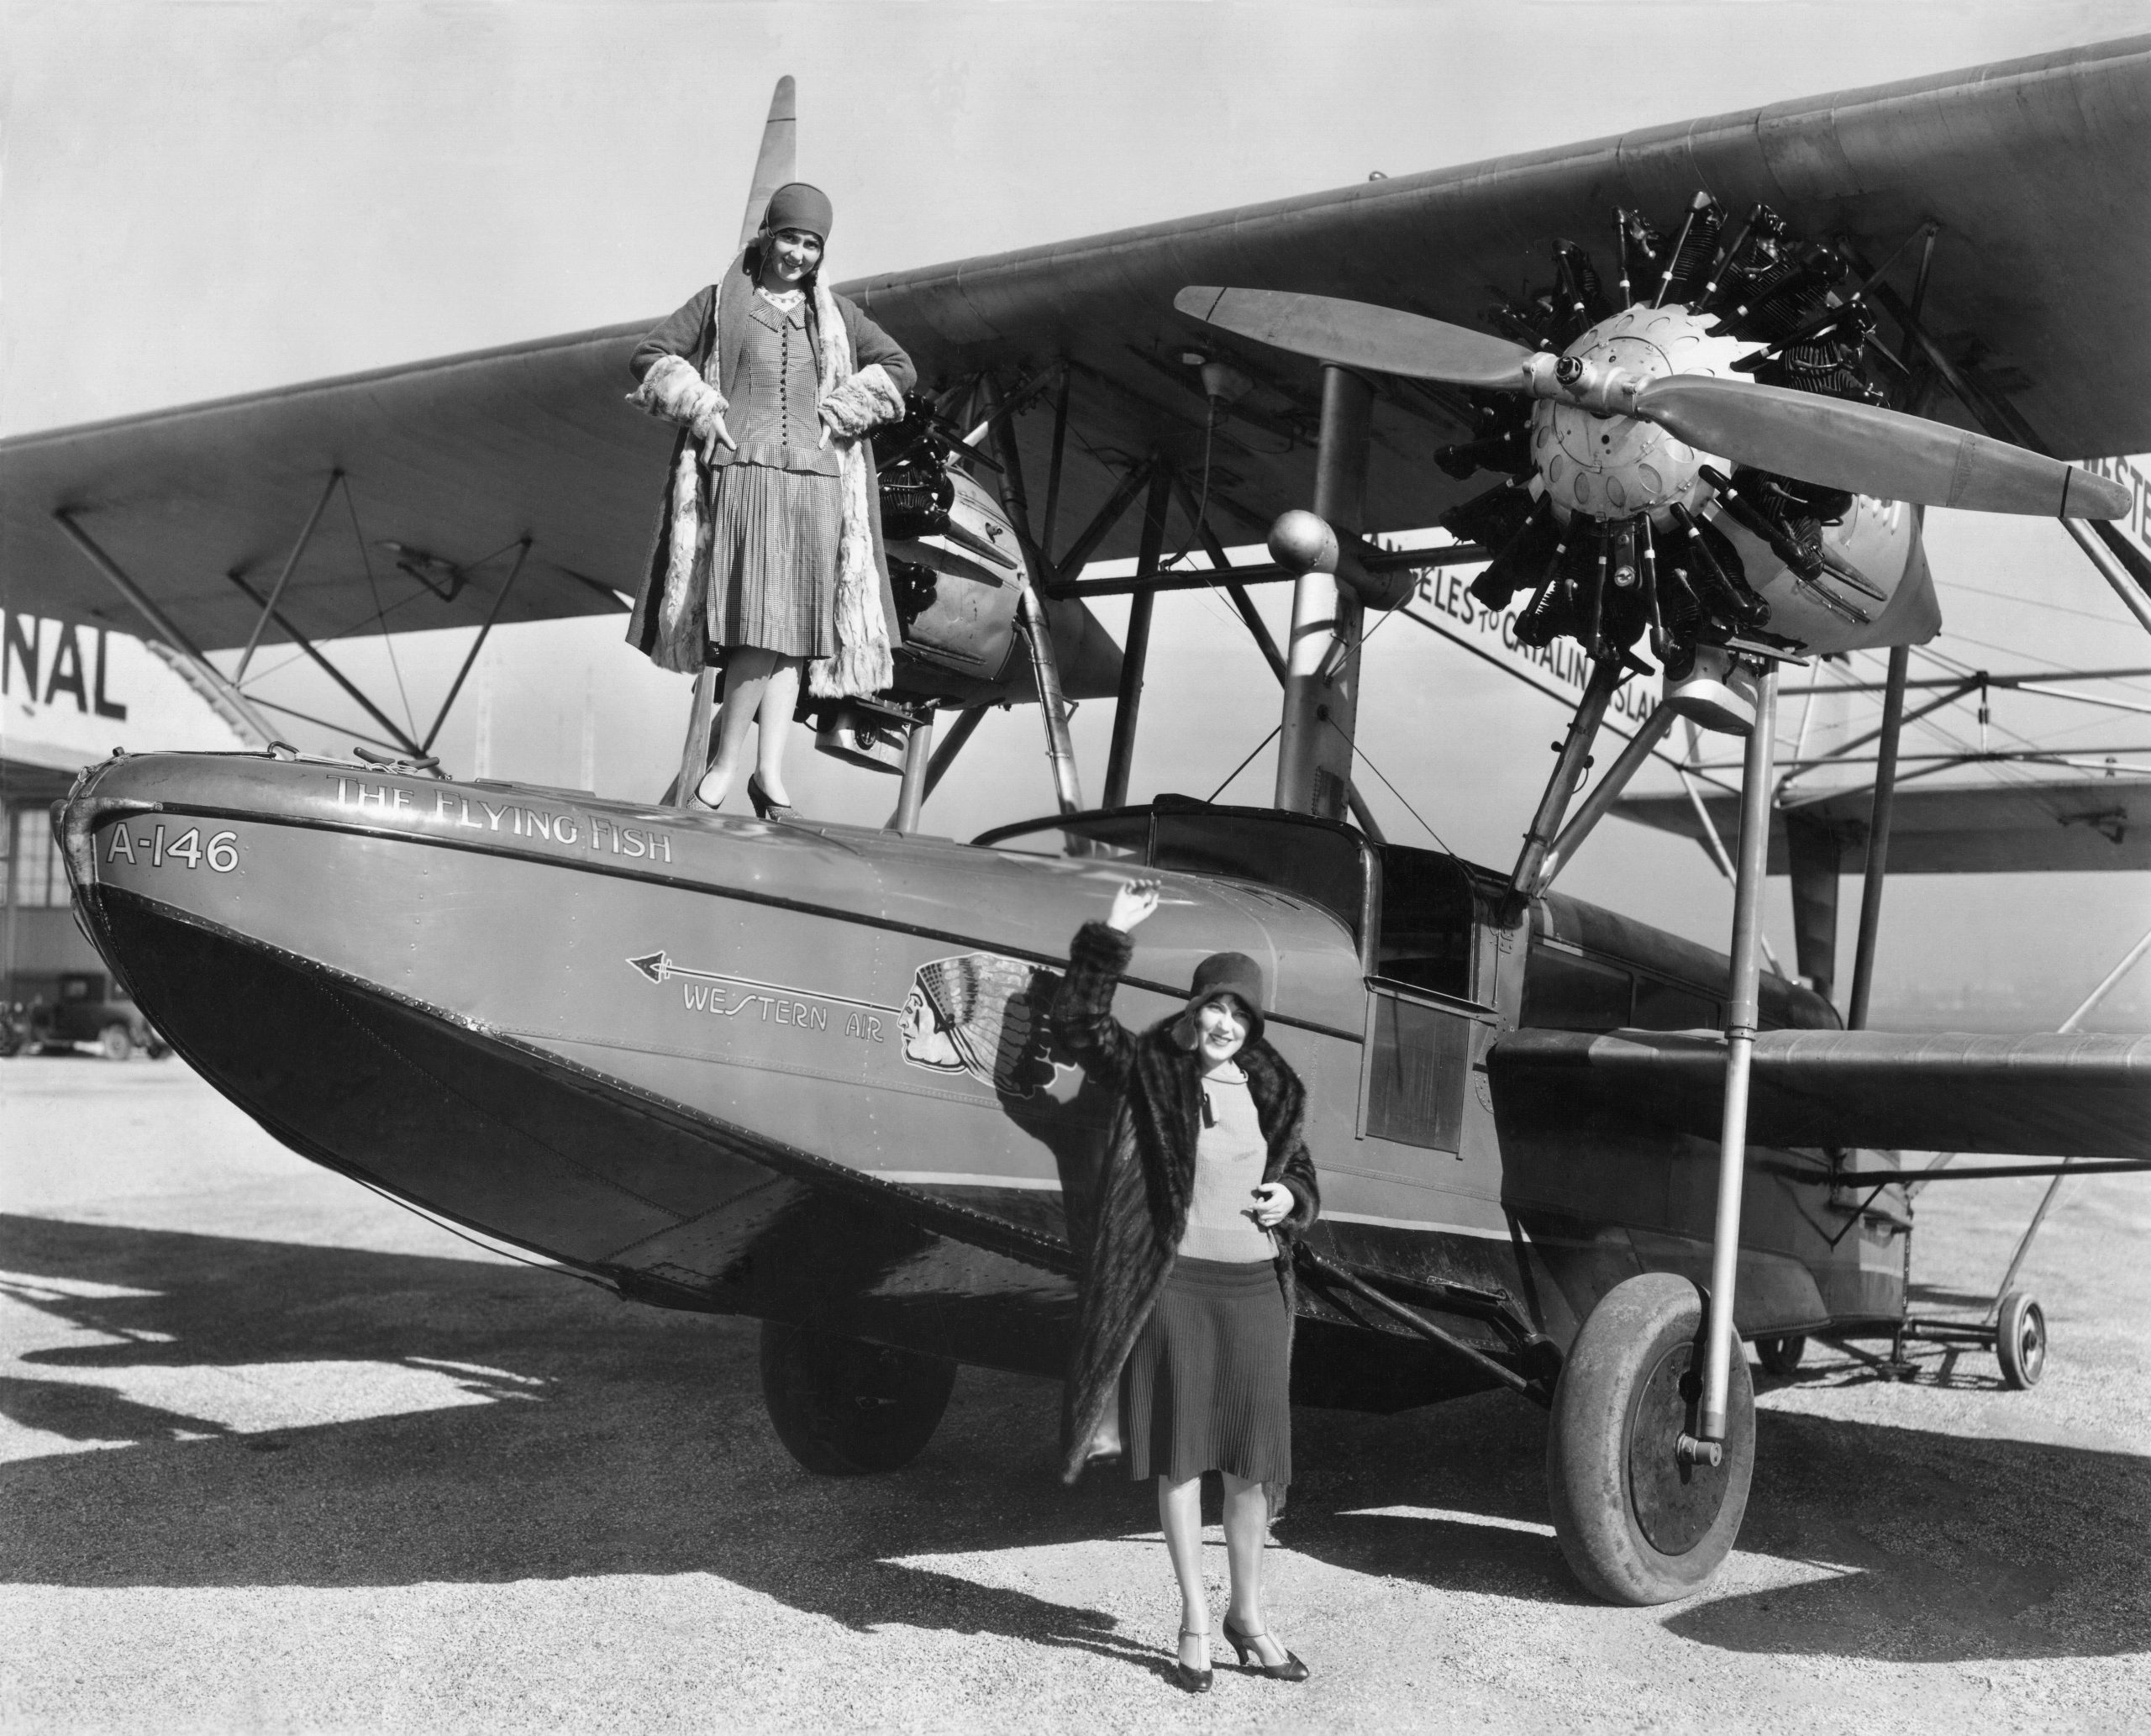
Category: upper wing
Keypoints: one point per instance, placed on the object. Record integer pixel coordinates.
(2041, 276)
(459, 458)
(2084, 1095)
(2092, 822)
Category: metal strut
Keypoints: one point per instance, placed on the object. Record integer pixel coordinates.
(1878, 838)
(1417, 1322)
(1322, 678)
(284, 578)
(1135, 653)
(1031, 618)
(1606, 674)
(400, 736)
(2070, 1165)
(238, 710)
(493, 614)
(1742, 1010)
(918, 753)
(1604, 793)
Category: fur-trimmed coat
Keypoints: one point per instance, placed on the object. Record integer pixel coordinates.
(679, 380)
(1149, 1174)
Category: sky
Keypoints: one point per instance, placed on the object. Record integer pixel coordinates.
(198, 199)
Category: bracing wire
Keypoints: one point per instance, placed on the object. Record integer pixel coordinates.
(387, 638)
(1244, 764)
(1399, 794)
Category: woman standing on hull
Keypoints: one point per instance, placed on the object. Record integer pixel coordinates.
(1185, 1326)
(769, 555)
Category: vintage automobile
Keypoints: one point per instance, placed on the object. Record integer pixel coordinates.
(93, 1011)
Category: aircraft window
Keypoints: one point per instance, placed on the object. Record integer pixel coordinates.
(1664, 1007)
(1311, 862)
(1425, 939)
(1415, 1069)
(1563, 992)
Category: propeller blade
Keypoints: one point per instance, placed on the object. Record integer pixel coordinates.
(1382, 340)
(1836, 444)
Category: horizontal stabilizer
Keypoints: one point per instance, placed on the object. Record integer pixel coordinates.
(2084, 1095)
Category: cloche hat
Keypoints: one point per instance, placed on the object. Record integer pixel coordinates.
(797, 206)
(1230, 973)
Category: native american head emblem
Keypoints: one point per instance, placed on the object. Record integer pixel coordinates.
(982, 1014)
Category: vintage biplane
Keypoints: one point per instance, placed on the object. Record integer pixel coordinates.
(805, 1071)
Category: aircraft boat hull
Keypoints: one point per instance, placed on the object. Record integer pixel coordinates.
(802, 1072)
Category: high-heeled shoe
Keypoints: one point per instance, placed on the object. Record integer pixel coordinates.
(1196, 1681)
(1291, 1670)
(765, 806)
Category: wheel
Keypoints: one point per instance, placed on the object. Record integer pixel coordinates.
(1781, 1356)
(117, 1042)
(845, 1408)
(1638, 1526)
(2019, 1340)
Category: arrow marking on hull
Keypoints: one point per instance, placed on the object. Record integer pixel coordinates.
(658, 967)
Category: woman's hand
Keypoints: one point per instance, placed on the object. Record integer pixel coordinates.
(1273, 1204)
(1132, 903)
(710, 427)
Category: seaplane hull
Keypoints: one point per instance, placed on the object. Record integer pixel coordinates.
(805, 1073)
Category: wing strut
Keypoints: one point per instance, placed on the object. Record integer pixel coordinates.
(205, 676)
(2053, 1187)
(1136, 652)
(1878, 838)
(284, 578)
(1030, 620)
(400, 736)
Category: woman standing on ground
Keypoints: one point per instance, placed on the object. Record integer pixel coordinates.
(770, 548)
(1186, 1312)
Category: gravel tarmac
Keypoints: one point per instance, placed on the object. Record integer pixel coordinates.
(280, 1456)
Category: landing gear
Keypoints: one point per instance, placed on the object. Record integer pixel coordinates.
(1637, 1525)
(1781, 1356)
(845, 1408)
(2019, 1340)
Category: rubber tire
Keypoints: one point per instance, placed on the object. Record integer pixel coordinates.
(845, 1408)
(117, 1042)
(1636, 1327)
(2019, 1340)
(1781, 1356)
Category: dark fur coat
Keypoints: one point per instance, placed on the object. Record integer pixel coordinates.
(1148, 1173)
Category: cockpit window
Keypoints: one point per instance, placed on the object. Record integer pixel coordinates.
(1312, 862)
(1425, 936)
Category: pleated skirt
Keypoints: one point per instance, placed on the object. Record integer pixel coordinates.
(774, 536)
(1208, 1385)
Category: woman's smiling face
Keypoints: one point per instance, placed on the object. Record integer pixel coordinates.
(1221, 1027)
(790, 255)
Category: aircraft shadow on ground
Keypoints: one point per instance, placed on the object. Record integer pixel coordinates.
(642, 1448)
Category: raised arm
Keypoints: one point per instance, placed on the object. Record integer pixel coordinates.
(1082, 1009)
